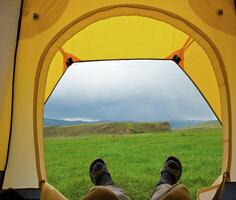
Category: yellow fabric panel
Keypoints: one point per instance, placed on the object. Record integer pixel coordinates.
(9, 15)
(199, 68)
(22, 169)
(5, 125)
(125, 37)
(229, 54)
(54, 74)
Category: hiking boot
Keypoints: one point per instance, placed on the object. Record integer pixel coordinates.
(171, 172)
(99, 174)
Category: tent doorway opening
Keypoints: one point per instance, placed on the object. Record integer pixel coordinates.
(132, 113)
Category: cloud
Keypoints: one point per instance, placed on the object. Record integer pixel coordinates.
(81, 119)
(127, 90)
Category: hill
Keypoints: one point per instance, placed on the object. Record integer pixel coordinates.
(207, 124)
(175, 124)
(113, 128)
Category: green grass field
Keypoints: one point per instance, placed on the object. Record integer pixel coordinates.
(134, 160)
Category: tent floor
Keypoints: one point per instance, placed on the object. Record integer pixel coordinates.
(229, 191)
(26, 193)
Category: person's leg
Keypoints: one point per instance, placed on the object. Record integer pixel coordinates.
(100, 176)
(170, 175)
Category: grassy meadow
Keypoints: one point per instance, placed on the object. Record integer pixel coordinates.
(134, 160)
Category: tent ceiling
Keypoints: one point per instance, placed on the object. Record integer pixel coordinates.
(216, 19)
(47, 11)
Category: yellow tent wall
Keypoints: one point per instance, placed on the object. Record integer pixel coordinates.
(47, 25)
(9, 24)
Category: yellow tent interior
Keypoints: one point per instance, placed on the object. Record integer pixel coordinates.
(39, 37)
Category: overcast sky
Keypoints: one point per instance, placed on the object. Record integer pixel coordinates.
(141, 90)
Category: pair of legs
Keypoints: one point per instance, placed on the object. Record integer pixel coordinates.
(170, 175)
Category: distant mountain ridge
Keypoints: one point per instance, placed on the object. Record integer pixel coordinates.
(208, 124)
(112, 128)
(175, 124)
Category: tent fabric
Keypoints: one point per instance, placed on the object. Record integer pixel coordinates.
(10, 11)
(208, 192)
(107, 30)
(20, 130)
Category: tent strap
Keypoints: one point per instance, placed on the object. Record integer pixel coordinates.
(68, 59)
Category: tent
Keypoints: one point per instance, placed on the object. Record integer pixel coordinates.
(41, 39)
